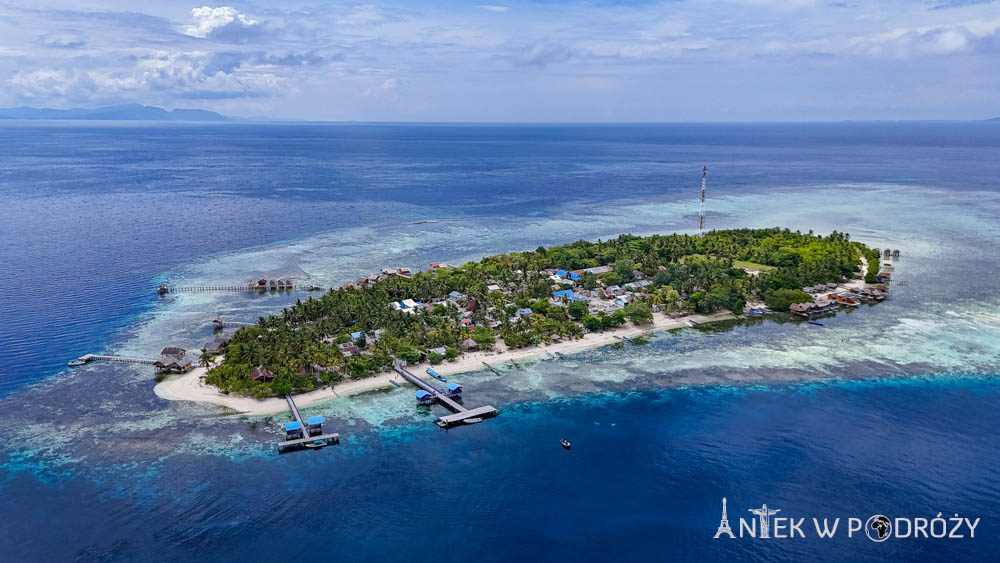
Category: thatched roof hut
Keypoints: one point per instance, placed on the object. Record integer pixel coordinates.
(260, 373)
(216, 346)
(173, 352)
(469, 345)
(173, 360)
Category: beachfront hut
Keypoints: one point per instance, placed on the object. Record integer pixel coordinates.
(454, 389)
(469, 345)
(314, 425)
(440, 350)
(886, 253)
(173, 360)
(895, 253)
(260, 373)
(423, 396)
(216, 346)
(293, 430)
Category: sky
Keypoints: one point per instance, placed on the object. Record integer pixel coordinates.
(541, 61)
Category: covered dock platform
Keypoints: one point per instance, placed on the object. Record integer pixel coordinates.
(309, 434)
(461, 415)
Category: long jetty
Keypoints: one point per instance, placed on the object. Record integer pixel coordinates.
(87, 358)
(164, 289)
(308, 441)
(461, 414)
(219, 324)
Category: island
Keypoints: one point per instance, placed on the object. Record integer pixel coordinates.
(124, 112)
(547, 301)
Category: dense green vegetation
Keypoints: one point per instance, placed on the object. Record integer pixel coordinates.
(782, 299)
(873, 258)
(685, 274)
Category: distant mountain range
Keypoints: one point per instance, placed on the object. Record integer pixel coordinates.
(137, 112)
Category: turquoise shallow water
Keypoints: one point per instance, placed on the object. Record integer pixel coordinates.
(888, 408)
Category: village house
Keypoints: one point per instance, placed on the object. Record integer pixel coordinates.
(260, 373)
(173, 360)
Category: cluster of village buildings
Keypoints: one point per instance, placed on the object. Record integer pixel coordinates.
(826, 297)
(832, 296)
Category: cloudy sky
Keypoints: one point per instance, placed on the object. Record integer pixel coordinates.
(548, 60)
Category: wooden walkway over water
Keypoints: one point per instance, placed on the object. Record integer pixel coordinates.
(308, 441)
(461, 414)
(165, 289)
(220, 324)
(87, 358)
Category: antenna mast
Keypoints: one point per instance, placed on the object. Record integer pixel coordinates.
(701, 207)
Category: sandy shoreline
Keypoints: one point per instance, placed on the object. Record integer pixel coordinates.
(192, 387)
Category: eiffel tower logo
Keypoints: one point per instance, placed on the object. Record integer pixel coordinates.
(724, 525)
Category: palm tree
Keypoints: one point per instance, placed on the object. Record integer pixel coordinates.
(206, 358)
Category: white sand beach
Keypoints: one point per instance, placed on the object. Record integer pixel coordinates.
(192, 387)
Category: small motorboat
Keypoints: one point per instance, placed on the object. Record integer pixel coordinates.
(565, 443)
(436, 375)
(75, 363)
(815, 323)
(393, 381)
(560, 355)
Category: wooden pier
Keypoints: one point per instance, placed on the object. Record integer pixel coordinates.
(308, 440)
(219, 324)
(87, 358)
(165, 289)
(461, 414)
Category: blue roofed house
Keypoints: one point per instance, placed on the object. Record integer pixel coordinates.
(422, 396)
(454, 389)
(574, 276)
(293, 430)
(561, 273)
(315, 425)
(563, 293)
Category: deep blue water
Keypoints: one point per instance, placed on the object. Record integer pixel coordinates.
(95, 467)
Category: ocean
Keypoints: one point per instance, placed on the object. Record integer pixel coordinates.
(890, 409)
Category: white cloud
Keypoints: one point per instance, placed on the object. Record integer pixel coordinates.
(154, 74)
(387, 90)
(494, 8)
(41, 83)
(219, 22)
